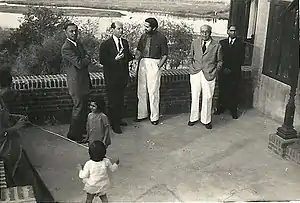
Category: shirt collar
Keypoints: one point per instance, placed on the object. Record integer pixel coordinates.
(231, 39)
(116, 38)
(75, 44)
(207, 42)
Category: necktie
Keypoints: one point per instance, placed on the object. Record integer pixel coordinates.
(119, 44)
(204, 47)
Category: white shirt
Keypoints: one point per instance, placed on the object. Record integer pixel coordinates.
(230, 40)
(75, 44)
(95, 175)
(117, 42)
(207, 42)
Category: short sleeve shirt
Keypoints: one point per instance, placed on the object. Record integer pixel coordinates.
(153, 46)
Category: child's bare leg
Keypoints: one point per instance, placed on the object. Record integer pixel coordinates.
(104, 198)
(89, 198)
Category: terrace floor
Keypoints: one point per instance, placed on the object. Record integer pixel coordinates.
(173, 162)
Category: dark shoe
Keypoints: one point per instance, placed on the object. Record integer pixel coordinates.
(139, 119)
(219, 111)
(117, 129)
(154, 122)
(123, 123)
(190, 123)
(208, 126)
(235, 116)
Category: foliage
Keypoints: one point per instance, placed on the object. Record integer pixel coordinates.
(34, 47)
(179, 38)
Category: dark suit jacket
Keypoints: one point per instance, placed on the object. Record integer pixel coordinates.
(233, 57)
(210, 62)
(115, 72)
(76, 67)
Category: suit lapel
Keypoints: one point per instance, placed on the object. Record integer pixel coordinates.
(113, 45)
(77, 48)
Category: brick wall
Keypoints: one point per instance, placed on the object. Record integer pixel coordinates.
(18, 194)
(2, 175)
(44, 96)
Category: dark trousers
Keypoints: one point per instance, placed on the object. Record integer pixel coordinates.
(228, 93)
(115, 93)
(79, 117)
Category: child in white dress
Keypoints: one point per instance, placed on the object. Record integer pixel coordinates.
(95, 172)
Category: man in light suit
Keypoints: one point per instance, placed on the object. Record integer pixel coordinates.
(76, 63)
(114, 56)
(206, 61)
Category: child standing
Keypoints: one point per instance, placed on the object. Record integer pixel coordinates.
(95, 172)
(97, 123)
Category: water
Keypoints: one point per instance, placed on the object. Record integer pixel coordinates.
(219, 27)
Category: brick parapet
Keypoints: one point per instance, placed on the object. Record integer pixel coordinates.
(47, 95)
(286, 148)
(2, 175)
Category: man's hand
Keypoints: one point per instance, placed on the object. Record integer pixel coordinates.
(20, 123)
(120, 55)
(118, 162)
(227, 70)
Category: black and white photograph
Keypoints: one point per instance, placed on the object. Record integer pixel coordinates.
(149, 101)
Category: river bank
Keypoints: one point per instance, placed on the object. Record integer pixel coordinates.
(184, 8)
(68, 12)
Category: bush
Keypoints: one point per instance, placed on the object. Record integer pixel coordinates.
(179, 37)
(34, 47)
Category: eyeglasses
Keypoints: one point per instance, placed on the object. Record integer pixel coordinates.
(93, 105)
(205, 31)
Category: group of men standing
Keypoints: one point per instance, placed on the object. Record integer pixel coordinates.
(209, 59)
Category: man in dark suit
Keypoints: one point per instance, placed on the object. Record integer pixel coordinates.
(114, 56)
(76, 63)
(233, 50)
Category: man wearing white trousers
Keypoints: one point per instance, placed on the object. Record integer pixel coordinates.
(152, 51)
(206, 61)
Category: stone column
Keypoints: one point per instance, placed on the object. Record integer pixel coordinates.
(252, 18)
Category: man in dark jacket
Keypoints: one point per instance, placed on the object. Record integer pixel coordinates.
(76, 61)
(114, 56)
(233, 50)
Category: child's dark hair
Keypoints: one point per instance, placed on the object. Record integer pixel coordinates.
(97, 151)
(100, 103)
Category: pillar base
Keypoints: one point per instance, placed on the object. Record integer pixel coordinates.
(286, 148)
(286, 133)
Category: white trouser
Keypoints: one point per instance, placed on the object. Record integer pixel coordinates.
(148, 83)
(198, 83)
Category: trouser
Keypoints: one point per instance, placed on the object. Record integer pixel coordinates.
(115, 94)
(198, 84)
(228, 94)
(79, 117)
(148, 85)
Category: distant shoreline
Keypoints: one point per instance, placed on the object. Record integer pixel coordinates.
(86, 10)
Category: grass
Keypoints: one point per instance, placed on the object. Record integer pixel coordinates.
(189, 8)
